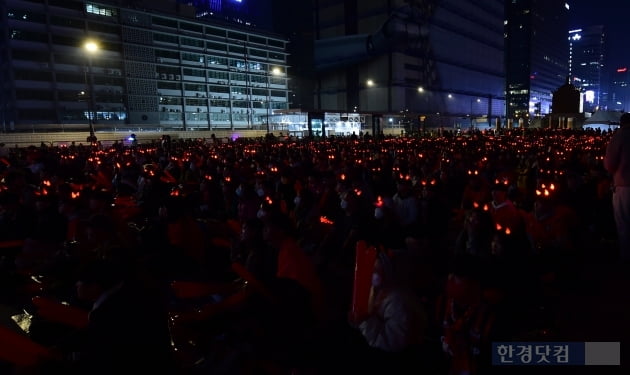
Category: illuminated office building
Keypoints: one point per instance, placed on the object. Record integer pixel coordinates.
(619, 96)
(156, 66)
(586, 62)
(536, 55)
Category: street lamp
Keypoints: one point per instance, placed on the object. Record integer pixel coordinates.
(274, 72)
(90, 48)
(471, 110)
(368, 83)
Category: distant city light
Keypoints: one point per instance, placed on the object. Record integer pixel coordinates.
(622, 70)
(589, 96)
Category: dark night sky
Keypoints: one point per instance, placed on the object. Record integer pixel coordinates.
(613, 14)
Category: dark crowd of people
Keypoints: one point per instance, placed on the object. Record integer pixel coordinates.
(210, 256)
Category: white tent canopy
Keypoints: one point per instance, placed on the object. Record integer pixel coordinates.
(603, 120)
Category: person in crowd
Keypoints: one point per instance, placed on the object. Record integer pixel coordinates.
(306, 217)
(617, 163)
(551, 227)
(465, 319)
(504, 213)
(395, 326)
(293, 262)
(406, 206)
(477, 190)
(248, 202)
(386, 230)
(127, 329)
(252, 250)
(476, 236)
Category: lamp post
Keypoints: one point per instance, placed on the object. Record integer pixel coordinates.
(90, 48)
(471, 110)
(274, 72)
(369, 83)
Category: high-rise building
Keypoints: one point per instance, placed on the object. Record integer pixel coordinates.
(619, 96)
(586, 62)
(249, 13)
(439, 62)
(536, 55)
(154, 65)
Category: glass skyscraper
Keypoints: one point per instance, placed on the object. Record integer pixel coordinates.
(536, 55)
(586, 62)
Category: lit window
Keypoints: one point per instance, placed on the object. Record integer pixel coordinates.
(100, 10)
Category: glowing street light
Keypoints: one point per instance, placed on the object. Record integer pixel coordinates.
(90, 46)
(275, 71)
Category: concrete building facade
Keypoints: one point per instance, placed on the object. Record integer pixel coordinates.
(154, 65)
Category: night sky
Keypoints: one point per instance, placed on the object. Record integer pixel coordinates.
(613, 14)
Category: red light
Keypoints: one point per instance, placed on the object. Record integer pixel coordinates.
(325, 220)
(379, 201)
(622, 70)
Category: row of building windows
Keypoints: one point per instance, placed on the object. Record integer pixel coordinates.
(76, 40)
(216, 32)
(222, 87)
(216, 46)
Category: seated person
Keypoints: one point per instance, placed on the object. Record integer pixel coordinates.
(127, 329)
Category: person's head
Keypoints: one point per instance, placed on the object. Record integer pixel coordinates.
(383, 272)
(349, 202)
(624, 119)
(479, 220)
(475, 181)
(499, 192)
(383, 207)
(404, 186)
